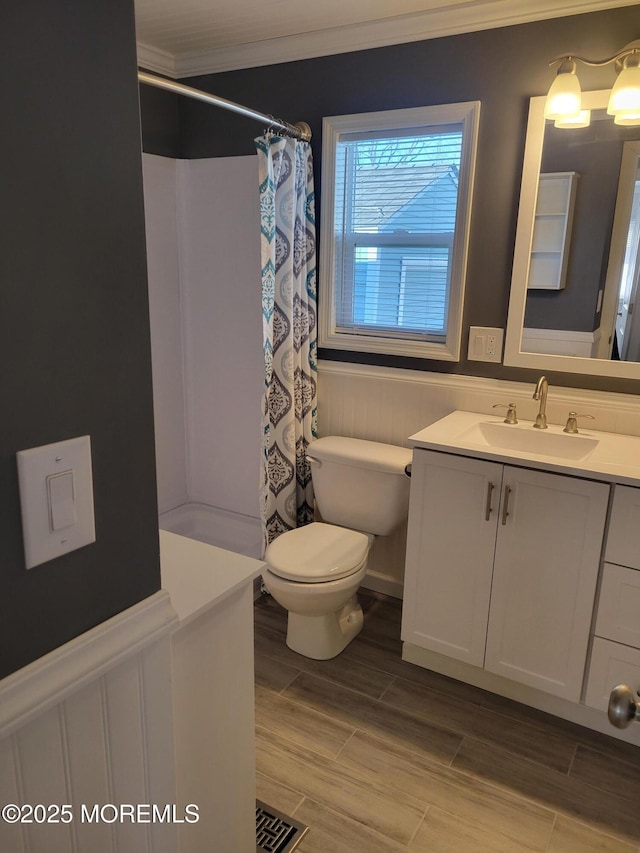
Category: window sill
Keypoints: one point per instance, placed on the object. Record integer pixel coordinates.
(390, 346)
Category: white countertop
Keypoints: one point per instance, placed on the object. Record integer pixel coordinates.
(615, 459)
(198, 576)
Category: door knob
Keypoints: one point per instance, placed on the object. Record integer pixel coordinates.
(623, 707)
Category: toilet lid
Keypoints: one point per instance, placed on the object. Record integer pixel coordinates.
(317, 552)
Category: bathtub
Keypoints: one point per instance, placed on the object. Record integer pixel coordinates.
(243, 534)
(230, 530)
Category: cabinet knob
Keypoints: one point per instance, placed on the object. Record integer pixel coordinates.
(623, 708)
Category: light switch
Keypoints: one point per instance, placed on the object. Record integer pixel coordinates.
(56, 499)
(62, 512)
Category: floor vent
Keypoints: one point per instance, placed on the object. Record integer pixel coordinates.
(275, 832)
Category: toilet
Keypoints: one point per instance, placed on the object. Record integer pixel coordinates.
(361, 491)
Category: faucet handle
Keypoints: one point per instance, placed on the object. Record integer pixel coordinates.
(572, 425)
(511, 417)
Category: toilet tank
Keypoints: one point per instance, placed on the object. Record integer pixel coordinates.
(360, 484)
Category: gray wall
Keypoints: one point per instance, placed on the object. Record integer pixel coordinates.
(502, 68)
(161, 125)
(74, 323)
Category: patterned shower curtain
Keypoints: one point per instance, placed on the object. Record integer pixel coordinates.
(288, 257)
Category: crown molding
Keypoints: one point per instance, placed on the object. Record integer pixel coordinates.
(156, 60)
(419, 26)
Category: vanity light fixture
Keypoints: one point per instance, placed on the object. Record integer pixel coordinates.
(581, 119)
(563, 99)
(563, 104)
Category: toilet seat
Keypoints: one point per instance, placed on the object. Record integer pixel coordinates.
(317, 553)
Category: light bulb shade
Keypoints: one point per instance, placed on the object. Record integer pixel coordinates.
(582, 119)
(564, 95)
(625, 95)
(627, 119)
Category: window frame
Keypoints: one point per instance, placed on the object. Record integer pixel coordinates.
(396, 342)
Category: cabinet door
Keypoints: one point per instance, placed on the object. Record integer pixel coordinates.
(547, 557)
(623, 539)
(619, 605)
(450, 545)
(611, 664)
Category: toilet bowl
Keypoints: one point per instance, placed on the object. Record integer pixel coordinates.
(314, 571)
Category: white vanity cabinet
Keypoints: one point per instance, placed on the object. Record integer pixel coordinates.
(545, 572)
(615, 658)
(450, 548)
(502, 565)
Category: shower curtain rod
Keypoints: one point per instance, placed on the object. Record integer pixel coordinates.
(300, 130)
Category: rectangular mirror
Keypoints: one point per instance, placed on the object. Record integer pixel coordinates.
(576, 263)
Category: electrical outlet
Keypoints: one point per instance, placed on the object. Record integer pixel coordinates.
(485, 344)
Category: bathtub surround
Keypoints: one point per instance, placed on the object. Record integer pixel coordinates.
(166, 313)
(231, 530)
(204, 286)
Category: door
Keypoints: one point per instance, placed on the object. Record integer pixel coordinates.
(545, 571)
(450, 547)
(626, 320)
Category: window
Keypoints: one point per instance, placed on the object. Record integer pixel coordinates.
(395, 224)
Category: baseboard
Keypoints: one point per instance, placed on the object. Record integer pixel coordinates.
(377, 583)
(572, 711)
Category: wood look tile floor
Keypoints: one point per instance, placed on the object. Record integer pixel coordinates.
(376, 755)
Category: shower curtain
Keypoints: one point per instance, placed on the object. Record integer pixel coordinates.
(289, 404)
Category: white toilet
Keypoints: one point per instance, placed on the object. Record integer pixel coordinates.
(361, 491)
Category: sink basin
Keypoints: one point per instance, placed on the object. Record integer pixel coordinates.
(526, 439)
(613, 457)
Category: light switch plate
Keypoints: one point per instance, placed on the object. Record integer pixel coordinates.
(56, 499)
(485, 344)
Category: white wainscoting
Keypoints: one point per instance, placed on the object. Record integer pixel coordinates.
(385, 404)
(92, 723)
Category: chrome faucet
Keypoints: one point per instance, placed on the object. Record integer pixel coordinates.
(541, 394)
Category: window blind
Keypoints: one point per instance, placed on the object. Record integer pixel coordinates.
(395, 218)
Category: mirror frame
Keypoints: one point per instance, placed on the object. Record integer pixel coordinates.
(513, 355)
